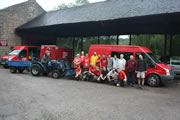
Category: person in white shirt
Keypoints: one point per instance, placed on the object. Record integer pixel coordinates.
(121, 63)
(115, 62)
(112, 76)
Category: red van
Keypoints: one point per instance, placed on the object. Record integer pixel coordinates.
(157, 72)
(20, 53)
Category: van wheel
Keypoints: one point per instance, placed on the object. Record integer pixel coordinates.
(36, 70)
(153, 80)
(55, 74)
(20, 70)
(5, 66)
(13, 70)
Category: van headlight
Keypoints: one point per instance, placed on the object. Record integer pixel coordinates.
(9, 59)
(167, 71)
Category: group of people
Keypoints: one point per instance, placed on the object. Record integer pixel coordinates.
(110, 69)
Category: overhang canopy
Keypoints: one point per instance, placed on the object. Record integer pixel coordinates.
(112, 17)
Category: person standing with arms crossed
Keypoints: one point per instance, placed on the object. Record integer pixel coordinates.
(121, 63)
(141, 69)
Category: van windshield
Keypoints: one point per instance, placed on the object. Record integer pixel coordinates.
(15, 52)
(156, 60)
(149, 57)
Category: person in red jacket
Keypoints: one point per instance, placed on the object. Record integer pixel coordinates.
(82, 59)
(121, 78)
(97, 74)
(98, 61)
(77, 61)
(78, 72)
(131, 67)
(104, 61)
(86, 60)
(92, 70)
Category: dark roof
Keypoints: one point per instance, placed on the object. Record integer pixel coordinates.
(109, 12)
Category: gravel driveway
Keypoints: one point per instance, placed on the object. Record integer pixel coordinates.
(24, 97)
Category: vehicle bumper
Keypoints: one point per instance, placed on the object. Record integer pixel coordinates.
(4, 62)
(167, 78)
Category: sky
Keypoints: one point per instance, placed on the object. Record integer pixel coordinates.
(45, 4)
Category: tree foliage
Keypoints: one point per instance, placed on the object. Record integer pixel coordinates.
(154, 42)
(76, 3)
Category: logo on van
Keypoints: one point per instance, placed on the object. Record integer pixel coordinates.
(65, 54)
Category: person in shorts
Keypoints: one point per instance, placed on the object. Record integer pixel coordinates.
(141, 69)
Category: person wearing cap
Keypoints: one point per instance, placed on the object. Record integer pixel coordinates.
(77, 61)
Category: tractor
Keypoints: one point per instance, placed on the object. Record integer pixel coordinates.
(54, 68)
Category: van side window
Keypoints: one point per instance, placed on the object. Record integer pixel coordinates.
(126, 54)
(33, 52)
(23, 54)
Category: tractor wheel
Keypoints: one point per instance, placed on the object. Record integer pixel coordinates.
(55, 74)
(20, 70)
(153, 80)
(13, 70)
(36, 70)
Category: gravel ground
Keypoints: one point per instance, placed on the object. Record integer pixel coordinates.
(24, 97)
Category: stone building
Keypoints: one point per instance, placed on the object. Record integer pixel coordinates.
(13, 17)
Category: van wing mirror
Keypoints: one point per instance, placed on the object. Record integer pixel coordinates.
(152, 65)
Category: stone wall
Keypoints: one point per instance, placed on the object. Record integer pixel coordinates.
(13, 17)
